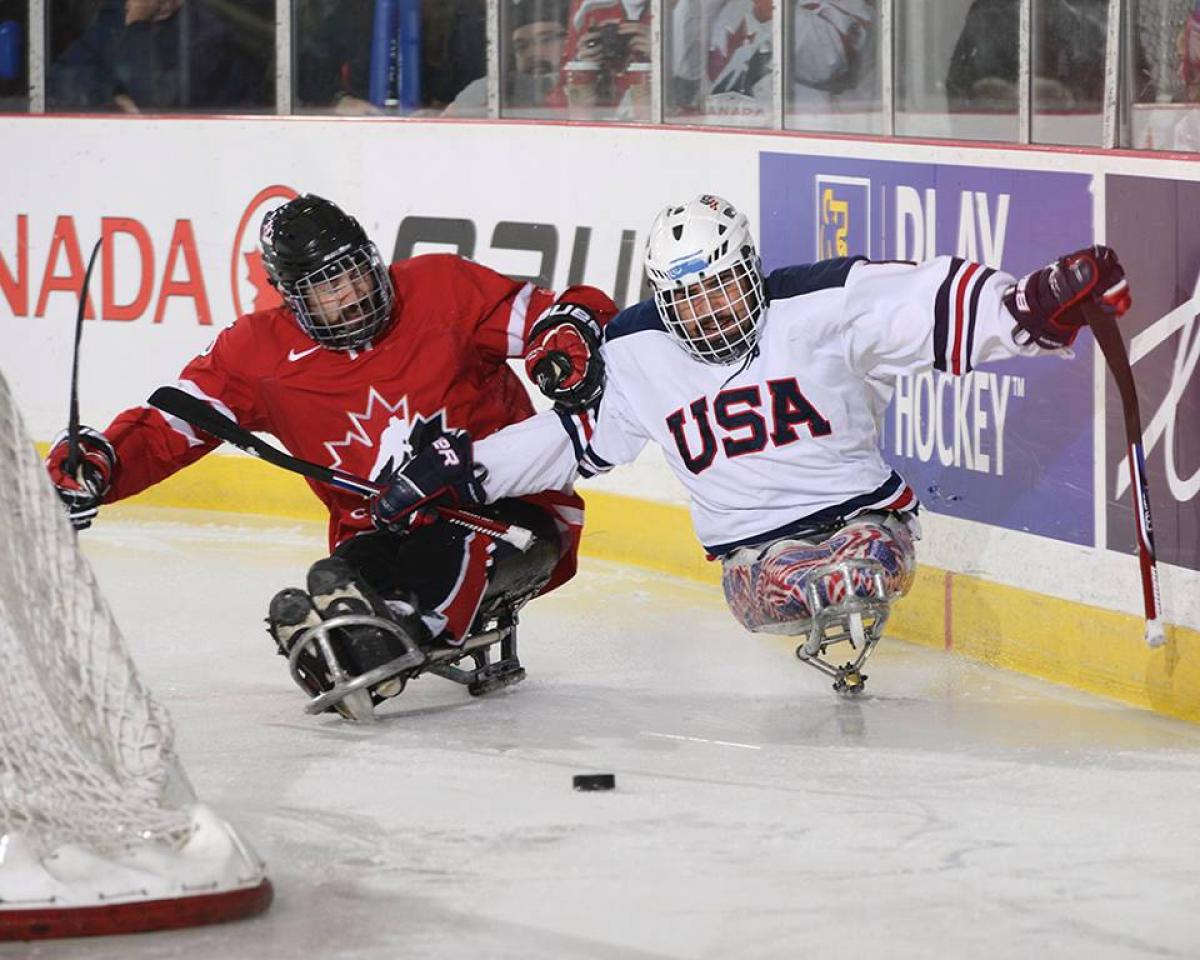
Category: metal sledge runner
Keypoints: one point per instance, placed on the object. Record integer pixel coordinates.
(856, 620)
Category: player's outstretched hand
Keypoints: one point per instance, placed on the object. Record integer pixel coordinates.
(1048, 304)
(440, 474)
(84, 491)
(563, 357)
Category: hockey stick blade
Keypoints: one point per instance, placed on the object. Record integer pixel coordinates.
(1104, 329)
(193, 410)
(72, 462)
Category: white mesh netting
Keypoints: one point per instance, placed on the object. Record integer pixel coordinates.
(85, 751)
(100, 832)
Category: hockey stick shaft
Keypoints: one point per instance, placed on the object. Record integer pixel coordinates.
(72, 463)
(202, 415)
(1104, 329)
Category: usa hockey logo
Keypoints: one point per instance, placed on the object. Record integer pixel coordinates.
(248, 283)
(689, 263)
(843, 216)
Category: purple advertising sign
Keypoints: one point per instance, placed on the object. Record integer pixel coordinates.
(1011, 444)
(1152, 224)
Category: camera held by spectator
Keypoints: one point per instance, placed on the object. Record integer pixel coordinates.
(610, 46)
(537, 40)
(608, 59)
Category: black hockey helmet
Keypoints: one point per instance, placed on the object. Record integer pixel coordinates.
(328, 271)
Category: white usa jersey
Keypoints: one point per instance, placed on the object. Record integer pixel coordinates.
(787, 440)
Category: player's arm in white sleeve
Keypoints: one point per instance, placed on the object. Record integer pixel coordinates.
(528, 457)
(619, 436)
(549, 450)
(946, 313)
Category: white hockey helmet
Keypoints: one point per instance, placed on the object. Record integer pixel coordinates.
(707, 278)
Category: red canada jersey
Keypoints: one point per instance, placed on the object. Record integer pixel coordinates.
(588, 15)
(441, 363)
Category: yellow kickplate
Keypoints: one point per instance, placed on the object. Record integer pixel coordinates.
(1085, 647)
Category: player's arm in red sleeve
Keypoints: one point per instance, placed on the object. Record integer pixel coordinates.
(150, 445)
(559, 336)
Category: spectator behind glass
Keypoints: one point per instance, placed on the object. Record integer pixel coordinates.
(333, 55)
(607, 70)
(535, 54)
(453, 48)
(13, 31)
(1187, 45)
(167, 54)
(1068, 59)
(721, 59)
(1177, 127)
(833, 58)
(729, 75)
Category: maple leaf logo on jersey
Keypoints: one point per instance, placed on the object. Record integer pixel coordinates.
(402, 439)
(739, 55)
(386, 428)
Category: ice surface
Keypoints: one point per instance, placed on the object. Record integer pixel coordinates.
(954, 811)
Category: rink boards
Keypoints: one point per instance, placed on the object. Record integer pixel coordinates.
(1027, 557)
(1078, 644)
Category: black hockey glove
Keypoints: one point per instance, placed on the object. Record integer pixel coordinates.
(1048, 303)
(440, 474)
(563, 357)
(84, 491)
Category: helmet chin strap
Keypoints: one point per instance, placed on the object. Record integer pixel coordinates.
(746, 361)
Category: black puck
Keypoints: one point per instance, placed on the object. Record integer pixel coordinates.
(593, 781)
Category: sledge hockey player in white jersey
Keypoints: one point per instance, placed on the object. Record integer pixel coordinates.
(766, 396)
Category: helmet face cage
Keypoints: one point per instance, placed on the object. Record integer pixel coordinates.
(716, 320)
(707, 279)
(346, 303)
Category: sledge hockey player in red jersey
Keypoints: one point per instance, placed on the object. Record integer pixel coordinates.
(766, 394)
(367, 368)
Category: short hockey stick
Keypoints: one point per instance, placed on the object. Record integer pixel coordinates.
(72, 462)
(199, 414)
(1104, 329)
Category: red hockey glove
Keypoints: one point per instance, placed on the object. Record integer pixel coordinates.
(564, 358)
(441, 474)
(83, 492)
(1047, 304)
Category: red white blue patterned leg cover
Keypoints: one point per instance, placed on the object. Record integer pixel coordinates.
(766, 586)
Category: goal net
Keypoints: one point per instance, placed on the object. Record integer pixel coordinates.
(100, 831)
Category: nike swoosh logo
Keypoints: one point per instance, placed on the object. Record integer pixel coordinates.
(295, 355)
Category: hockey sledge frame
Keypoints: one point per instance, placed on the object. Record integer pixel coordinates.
(350, 695)
(858, 621)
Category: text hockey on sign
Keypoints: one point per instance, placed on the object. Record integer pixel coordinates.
(959, 421)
